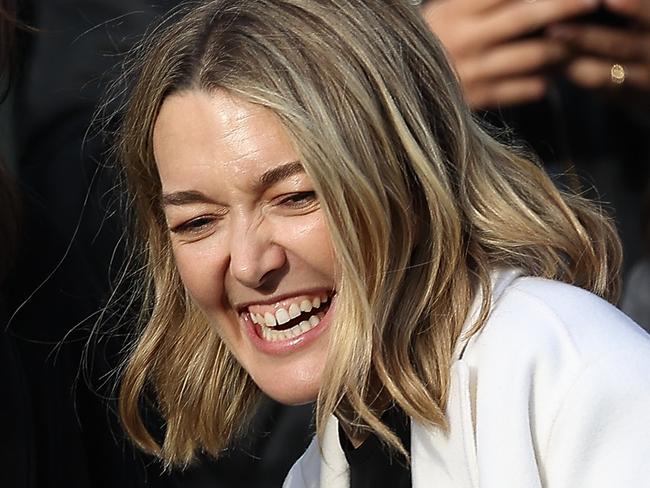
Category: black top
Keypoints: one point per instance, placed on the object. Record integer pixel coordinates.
(375, 465)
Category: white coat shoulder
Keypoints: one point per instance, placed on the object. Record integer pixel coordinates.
(553, 311)
(561, 386)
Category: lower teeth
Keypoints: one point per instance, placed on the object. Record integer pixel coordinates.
(273, 335)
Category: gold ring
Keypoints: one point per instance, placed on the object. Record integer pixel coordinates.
(617, 74)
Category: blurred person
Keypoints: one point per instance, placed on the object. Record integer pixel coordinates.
(67, 240)
(318, 217)
(505, 51)
(16, 443)
(70, 253)
(572, 79)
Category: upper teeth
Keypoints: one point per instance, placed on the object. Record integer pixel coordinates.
(282, 315)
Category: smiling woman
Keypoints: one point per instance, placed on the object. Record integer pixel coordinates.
(322, 219)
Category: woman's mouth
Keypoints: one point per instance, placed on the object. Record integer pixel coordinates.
(290, 318)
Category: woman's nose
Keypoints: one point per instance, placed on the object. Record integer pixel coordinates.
(255, 257)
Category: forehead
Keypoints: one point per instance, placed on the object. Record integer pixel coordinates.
(217, 132)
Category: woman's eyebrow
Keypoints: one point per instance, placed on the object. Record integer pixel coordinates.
(279, 173)
(184, 197)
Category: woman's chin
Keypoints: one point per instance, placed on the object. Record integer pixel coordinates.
(292, 395)
(290, 389)
(293, 400)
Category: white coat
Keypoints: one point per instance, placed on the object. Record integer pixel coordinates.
(554, 392)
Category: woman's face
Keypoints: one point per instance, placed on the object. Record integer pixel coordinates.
(248, 236)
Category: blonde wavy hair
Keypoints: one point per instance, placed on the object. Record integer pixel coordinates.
(420, 201)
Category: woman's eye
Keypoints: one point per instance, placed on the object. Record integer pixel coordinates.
(193, 226)
(299, 199)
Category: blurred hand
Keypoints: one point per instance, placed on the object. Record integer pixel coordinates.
(496, 62)
(597, 48)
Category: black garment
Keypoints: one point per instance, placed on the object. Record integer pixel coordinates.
(373, 464)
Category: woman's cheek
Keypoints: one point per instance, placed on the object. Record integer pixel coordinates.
(201, 270)
(309, 238)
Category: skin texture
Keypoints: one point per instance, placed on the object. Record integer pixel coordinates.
(505, 50)
(243, 242)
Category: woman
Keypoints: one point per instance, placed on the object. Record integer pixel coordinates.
(321, 219)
